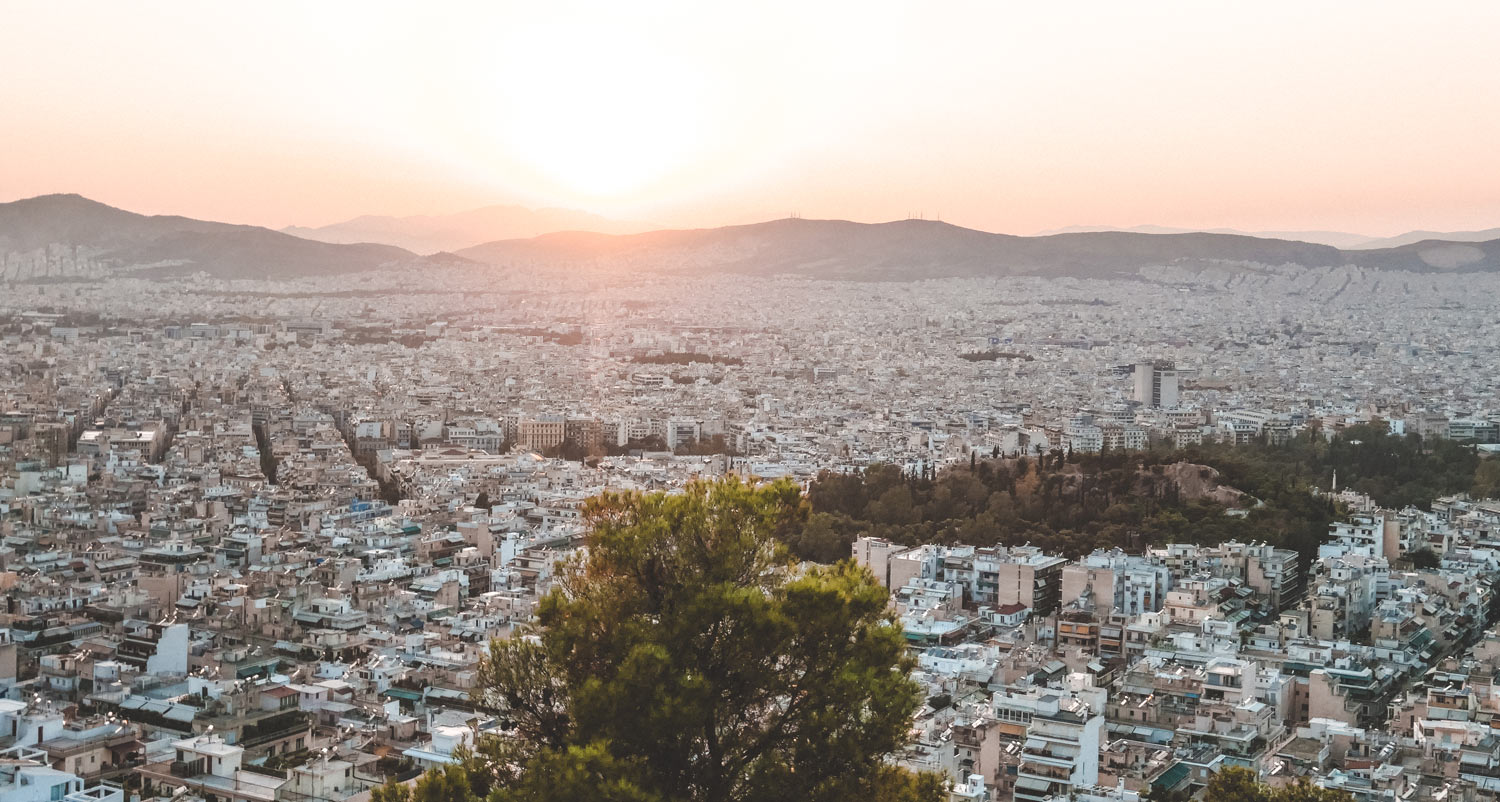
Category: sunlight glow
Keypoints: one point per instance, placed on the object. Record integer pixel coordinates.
(599, 114)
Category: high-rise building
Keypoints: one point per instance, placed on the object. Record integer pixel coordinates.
(1156, 384)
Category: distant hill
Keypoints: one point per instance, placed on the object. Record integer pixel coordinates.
(924, 249)
(909, 249)
(55, 236)
(1413, 237)
(1432, 256)
(1337, 239)
(59, 236)
(451, 232)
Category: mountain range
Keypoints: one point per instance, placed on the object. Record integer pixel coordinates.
(68, 235)
(1413, 237)
(1337, 239)
(920, 249)
(63, 236)
(450, 232)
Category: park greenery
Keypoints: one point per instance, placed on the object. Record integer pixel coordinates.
(992, 355)
(686, 358)
(572, 450)
(1071, 504)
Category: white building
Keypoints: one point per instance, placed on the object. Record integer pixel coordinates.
(208, 767)
(25, 776)
(1156, 384)
(1061, 750)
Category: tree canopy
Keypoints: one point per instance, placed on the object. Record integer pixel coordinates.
(686, 657)
(1424, 558)
(1487, 479)
(1074, 504)
(1236, 784)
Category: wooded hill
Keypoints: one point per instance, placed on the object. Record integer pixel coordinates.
(1074, 504)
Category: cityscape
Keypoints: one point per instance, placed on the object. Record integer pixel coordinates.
(532, 502)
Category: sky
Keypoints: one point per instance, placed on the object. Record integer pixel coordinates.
(1372, 117)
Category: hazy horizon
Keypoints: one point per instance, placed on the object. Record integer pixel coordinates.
(1004, 119)
(632, 226)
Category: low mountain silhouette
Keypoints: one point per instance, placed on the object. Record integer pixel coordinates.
(68, 235)
(1337, 239)
(62, 236)
(1432, 255)
(1413, 237)
(921, 249)
(451, 232)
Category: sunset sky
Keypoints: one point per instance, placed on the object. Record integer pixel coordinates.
(1374, 117)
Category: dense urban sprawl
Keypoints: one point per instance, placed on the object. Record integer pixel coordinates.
(258, 535)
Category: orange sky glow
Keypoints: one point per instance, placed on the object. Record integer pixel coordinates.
(1374, 117)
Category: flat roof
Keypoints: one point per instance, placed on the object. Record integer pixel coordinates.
(206, 745)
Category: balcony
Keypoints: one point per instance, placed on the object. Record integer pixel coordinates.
(1047, 772)
(274, 728)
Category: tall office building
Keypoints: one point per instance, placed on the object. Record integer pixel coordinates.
(1156, 384)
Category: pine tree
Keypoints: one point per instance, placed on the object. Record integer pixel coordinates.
(690, 660)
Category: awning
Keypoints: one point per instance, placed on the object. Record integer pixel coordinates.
(1172, 776)
(1033, 784)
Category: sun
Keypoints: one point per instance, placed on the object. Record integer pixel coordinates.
(600, 115)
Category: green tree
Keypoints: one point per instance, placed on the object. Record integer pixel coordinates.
(686, 657)
(446, 784)
(823, 539)
(1424, 558)
(392, 791)
(568, 450)
(1303, 790)
(1236, 784)
(1142, 497)
(1486, 479)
